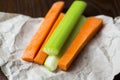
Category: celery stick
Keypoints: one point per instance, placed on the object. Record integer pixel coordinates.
(64, 29)
(73, 34)
(52, 61)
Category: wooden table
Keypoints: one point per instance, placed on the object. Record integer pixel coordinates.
(38, 8)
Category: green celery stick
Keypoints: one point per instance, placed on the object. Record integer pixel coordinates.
(65, 27)
(52, 61)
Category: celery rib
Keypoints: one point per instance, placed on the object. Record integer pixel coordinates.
(64, 29)
(52, 61)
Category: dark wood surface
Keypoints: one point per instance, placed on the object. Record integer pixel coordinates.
(34, 8)
(38, 8)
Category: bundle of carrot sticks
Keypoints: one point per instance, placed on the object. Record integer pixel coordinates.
(61, 36)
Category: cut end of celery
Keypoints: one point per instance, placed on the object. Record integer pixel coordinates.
(51, 63)
(51, 52)
(81, 2)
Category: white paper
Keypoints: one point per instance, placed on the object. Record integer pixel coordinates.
(99, 60)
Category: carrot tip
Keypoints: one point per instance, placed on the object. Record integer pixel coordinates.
(27, 56)
(59, 2)
(41, 63)
(62, 66)
(40, 59)
(27, 59)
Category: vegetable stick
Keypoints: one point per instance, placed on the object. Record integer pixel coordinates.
(36, 42)
(88, 30)
(65, 27)
(52, 61)
(41, 56)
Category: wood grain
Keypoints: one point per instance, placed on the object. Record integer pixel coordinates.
(38, 8)
(2, 76)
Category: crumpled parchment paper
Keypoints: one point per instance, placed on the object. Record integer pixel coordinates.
(99, 60)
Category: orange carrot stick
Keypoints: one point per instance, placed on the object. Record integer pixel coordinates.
(41, 56)
(36, 42)
(88, 30)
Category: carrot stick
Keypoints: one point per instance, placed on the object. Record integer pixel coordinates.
(41, 56)
(36, 42)
(88, 30)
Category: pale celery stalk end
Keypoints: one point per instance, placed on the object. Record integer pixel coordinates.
(51, 63)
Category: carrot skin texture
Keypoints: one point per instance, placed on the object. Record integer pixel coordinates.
(41, 56)
(88, 30)
(37, 40)
(65, 27)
